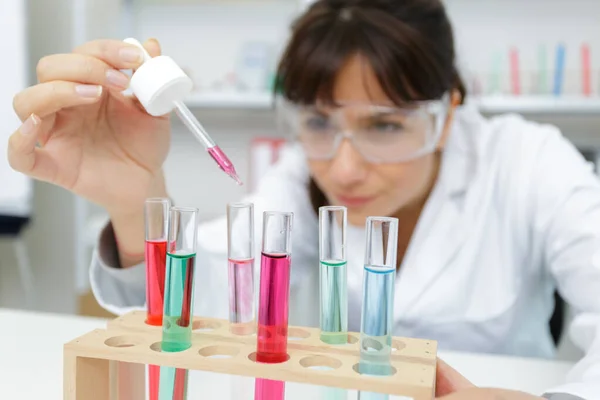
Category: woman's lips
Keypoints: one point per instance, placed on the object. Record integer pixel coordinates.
(353, 201)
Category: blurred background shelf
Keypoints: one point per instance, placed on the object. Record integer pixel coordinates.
(231, 99)
(538, 104)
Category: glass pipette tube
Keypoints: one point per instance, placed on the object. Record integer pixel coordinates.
(333, 275)
(378, 295)
(192, 123)
(274, 287)
(240, 255)
(179, 289)
(198, 130)
(156, 224)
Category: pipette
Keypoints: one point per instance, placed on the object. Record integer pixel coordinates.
(161, 88)
(198, 130)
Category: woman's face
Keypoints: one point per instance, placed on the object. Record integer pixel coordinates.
(370, 189)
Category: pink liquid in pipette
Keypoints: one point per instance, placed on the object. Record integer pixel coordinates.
(273, 308)
(226, 165)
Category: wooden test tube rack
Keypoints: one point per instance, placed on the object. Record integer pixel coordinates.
(90, 361)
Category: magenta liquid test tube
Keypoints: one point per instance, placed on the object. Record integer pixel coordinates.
(274, 287)
(240, 254)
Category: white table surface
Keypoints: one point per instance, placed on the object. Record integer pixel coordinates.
(31, 363)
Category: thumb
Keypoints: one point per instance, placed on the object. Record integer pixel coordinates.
(448, 380)
(152, 47)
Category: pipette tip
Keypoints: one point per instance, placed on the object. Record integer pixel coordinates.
(236, 178)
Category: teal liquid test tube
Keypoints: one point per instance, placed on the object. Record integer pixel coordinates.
(377, 314)
(178, 303)
(333, 275)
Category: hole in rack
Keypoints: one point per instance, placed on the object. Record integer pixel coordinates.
(398, 345)
(319, 362)
(203, 325)
(298, 334)
(375, 370)
(156, 347)
(252, 357)
(122, 341)
(243, 329)
(219, 351)
(171, 348)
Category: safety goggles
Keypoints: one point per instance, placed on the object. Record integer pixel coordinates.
(381, 134)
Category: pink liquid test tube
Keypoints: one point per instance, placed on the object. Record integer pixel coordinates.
(240, 254)
(274, 287)
(156, 216)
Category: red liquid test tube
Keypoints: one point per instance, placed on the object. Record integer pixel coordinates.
(274, 288)
(156, 215)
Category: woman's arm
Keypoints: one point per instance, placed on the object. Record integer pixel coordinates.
(564, 209)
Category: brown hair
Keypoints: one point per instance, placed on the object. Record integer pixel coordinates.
(408, 43)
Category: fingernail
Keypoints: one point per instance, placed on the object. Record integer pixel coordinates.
(116, 78)
(30, 124)
(89, 90)
(131, 54)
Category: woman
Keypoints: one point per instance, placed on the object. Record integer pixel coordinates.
(493, 213)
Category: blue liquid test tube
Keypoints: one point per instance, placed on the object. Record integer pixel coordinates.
(378, 299)
(333, 275)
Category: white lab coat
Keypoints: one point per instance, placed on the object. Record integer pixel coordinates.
(515, 211)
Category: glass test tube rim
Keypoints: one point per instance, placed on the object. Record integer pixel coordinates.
(343, 229)
(148, 204)
(182, 210)
(280, 213)
(285, 216)
(246, 205)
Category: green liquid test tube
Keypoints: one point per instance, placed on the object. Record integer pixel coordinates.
(179, 291)
(333, 275)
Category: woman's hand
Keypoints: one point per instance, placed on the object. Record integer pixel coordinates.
(451, 385)
(81, 133)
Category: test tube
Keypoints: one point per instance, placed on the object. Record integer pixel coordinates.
(274, 287)
(179, 283)
(333, 275)
(179, 289)
(240, 254)
(156, 215)
(156, 221)
(378, 295)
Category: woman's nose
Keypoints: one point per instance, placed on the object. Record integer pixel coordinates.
(348, 167)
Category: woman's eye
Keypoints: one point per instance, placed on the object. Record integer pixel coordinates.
(317, 123)
(387, 127)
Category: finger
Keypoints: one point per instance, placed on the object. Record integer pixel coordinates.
(23, 156)
(47, 98)
(448, 380)
(80, 68)
(152, 46)
(116, 53)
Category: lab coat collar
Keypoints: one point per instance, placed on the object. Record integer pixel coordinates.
(441, 229)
